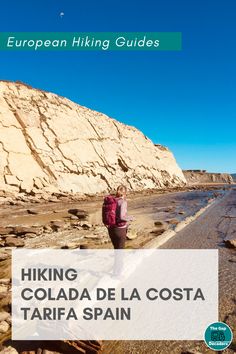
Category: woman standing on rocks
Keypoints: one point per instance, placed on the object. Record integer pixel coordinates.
(115, 217)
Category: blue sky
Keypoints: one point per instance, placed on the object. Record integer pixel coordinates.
(185, 100)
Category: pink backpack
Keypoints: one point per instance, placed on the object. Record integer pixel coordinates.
(109, 212)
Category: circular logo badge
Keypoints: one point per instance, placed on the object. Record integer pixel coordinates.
(218, 336)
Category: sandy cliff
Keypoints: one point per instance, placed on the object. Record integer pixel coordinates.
(203, 177)
(49, 143)
(234, 176)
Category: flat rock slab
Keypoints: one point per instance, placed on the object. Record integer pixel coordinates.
(58, 225)
(22, 230)
(81, 214)
(14, 242)
(32, 212)
(5, 230)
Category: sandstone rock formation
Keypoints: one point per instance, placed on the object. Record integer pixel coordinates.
(49, 143)
(203, 177)
(234, 176)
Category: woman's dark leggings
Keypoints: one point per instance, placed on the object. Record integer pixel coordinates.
(118, 236)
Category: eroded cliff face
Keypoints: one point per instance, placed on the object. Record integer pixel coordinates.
(50, 143)
(233, 175)
(202, 177)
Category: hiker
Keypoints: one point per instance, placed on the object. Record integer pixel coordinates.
(115, 217)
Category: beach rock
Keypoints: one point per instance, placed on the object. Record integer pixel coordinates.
(65, 147)
(4, 327)
(167, 210)
(76, 224)
(47, 228)
(86, 226)
(70, 245)
(4, 316)
(181, 212)
(3, 288)
(5, 301)
(22, 230)
(4, 256)
(14, 242)
(160, 223)
(80, 214)
(92, 237)
(8, 235)
(3, 295)
(58, 225)
(157, 231)
(32, 212)
(53, 200)
(19, 203)
(9, 350)
(230, 242)
(5, 230)
(131, 234)
(84, 247)
(13, 202)
(160, 227)
(73, 217)
(30, 235)
(172, 221)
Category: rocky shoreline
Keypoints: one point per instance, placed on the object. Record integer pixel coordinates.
(62, 221)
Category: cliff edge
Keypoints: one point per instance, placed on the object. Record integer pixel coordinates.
(203, 177)
(50, 143)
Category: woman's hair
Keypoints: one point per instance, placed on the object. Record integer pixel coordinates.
(121, 191)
